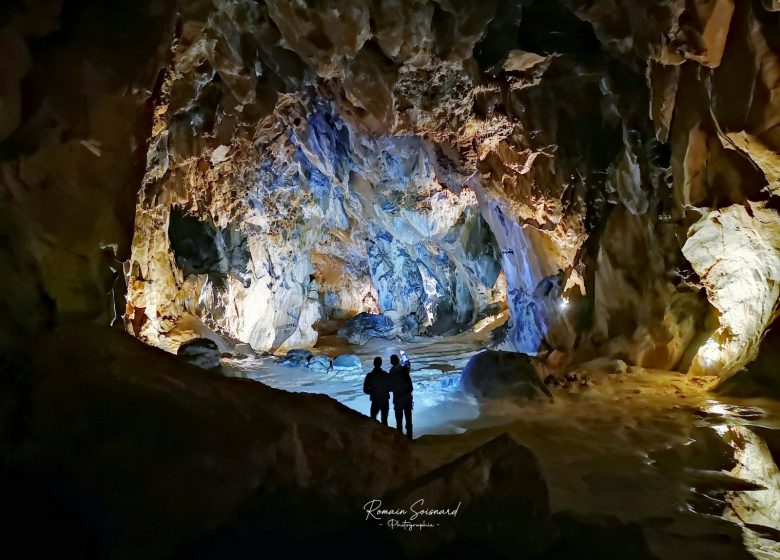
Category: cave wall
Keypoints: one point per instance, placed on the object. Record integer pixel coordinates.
(335, 222)
(74, 121)
(593, 139)
(712, 75)
(605, 139)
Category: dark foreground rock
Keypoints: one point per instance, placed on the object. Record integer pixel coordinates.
(499, 374)
(501, 500)
(363, 327)
(152, 458)
(150, 454)
(597, 537)
(201, 352)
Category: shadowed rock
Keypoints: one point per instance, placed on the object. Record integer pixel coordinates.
(597, 537)
(201, 352)
(363, 327)
(296, 357)
(150, 454)
(501, 500)
(498, 374)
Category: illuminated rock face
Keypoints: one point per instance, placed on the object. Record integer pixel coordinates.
(322, 222)
(403, 154)
(736, 252)
(395, 165)
(536, 110)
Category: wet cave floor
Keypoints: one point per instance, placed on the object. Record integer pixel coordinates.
(693, 468)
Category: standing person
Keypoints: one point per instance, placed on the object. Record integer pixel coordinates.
(402, 393)
(377, 386)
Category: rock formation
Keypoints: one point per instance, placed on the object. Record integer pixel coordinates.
(200, 352)
(399, 164)
(498, 374)
(300, 224)
(246, 171)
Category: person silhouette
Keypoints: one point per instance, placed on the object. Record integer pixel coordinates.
(377, 386)
(401, 385)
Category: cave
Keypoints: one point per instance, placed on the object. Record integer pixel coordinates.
(393, 278)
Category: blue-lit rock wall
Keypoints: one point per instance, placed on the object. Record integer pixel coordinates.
(336, 221)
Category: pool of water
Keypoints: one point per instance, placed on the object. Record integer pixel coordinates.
(440, 407)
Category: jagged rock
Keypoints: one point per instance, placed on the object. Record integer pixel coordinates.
(164, 418)
(347, 362)
(363, 327)
(286, 272)
(364, 154)
(736, 253)
(502, 503)
(500, 374)
(297, 357)
(320, 363)
(366, 151)
(409, 327)
(201, 352)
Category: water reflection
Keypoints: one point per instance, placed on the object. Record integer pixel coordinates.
(693, 469)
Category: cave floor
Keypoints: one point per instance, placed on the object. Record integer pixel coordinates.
(657, 448)
(439, 405)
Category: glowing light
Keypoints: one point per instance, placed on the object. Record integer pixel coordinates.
(710, 355)
(564, 303)
(714, 407)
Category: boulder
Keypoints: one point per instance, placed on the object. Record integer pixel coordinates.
(498, 501)
(604, 366)
(320, 363)
(296, 357)
(363, 327)
(496, 374)
(347, 362)
(201, 352)
(244, 349)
